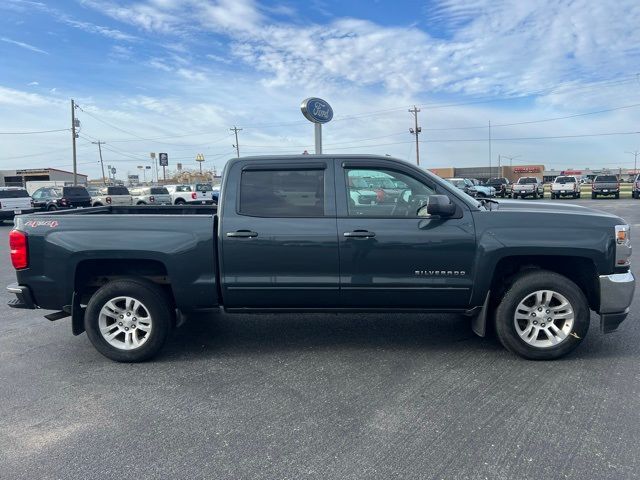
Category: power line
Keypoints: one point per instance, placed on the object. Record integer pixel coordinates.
(35, 132)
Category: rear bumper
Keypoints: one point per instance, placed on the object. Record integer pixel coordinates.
(23, 297)
(616, 295)
(8, 214)
(609, 191)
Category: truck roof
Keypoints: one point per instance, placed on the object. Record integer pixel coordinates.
(324, 156)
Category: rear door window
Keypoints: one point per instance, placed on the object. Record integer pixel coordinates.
(282, 193)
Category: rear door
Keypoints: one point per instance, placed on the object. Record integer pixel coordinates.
(390, 257)
(279, 246)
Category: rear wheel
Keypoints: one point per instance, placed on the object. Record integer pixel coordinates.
(593, 195)
(617, 195)
(128, 320)
(543, 316)
(51, 208)
(180, 202)
(535, 195)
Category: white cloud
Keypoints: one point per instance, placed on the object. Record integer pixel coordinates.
(33, 84)
(26, 46)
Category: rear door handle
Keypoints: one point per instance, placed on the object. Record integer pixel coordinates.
(359, 234)
(242, 234)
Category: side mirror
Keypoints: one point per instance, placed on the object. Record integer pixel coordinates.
(439, 206)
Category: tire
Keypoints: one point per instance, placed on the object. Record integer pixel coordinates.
(535, 195)
(97, 204)
(52, 208)
(180, 202)
(593, 196)
(153, 305)
(578, 195)
(514, 196)
(523, 292)
(141, 203)
(617, 196)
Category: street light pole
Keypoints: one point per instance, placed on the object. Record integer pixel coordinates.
(635, 161)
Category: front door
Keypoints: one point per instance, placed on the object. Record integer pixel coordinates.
(390, 257)
(278, 234)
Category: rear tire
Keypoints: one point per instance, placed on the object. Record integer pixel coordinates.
(617, 196)
(109, 305)
(180, 202)
(593, 196)
(532, 296)
(52, 208)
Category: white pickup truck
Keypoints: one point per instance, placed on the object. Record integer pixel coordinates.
(565, 187)
(188, 194)
(14, 201)
(112, 196)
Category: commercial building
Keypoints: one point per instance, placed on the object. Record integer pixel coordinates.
(19, 178)
(513, 173)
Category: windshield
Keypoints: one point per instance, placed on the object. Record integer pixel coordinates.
(607, 178)
(527, 180)
(565, 180)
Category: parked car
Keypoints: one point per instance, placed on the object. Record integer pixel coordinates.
(565, 186)
(112, 195)
(502, 186)
(483, 191)
(186, 194)
(361, 193)
(287, 238)
(14, 201)
(60, 198)
(150, 196)
(215, 194)
(463, 184)
(605, 185)
(528, 187)
(635, 189)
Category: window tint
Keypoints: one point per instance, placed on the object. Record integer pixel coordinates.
(75, 192)
(19, 193)
(527, 180)
(203, 187)
(282, 193)
(402, 199)
(565, 180)
(159, 191)
(118, 191)
(183, 188)
(606, 178)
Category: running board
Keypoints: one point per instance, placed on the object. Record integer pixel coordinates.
(52, 317)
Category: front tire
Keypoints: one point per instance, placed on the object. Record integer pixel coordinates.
(593, 196)
(543, 316)
(52, 208)
(128, 320)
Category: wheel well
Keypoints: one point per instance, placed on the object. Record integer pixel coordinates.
(582, 271)
(90, 275)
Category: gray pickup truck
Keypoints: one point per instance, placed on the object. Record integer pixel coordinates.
(605, 185)
(287, 236)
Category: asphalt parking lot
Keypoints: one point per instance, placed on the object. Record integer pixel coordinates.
(318, 396)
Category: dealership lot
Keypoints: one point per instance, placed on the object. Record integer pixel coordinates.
(319, 396)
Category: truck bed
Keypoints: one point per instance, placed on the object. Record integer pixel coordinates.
(68, 248)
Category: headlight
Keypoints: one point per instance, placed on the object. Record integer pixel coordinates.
(623, 245)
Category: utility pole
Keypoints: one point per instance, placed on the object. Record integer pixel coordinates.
(73, 137)
(635, 161)
(99, 143)
(489, 147)
(416, 131)
(237, 145)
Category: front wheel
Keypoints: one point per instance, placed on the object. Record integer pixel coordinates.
(128, 320)
(593, 196)
(543, 316)
(52, 208)
(617, 195)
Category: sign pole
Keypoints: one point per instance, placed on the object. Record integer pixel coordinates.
(164, 173)
(318, 134)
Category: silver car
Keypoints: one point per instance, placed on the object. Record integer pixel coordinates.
(151, 196)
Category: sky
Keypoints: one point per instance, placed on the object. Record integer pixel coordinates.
(558, 80)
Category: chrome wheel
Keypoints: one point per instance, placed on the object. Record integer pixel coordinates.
(544, 318)
(125, 323)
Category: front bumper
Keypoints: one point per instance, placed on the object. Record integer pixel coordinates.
(23, 297)
(616, 294)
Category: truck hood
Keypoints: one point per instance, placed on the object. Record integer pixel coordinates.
(550, 207)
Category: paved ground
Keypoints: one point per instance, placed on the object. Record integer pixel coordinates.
(322, 396)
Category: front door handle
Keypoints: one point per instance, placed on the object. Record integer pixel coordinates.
(359, 234)
(242, 234)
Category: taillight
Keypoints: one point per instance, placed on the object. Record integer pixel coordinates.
(152, 199)
(108, 199)
(194, 195)
(19, 250)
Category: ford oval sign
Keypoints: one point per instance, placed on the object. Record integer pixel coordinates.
(316, 110)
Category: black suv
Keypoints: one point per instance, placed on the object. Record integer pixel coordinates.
(502, 185)
(56, 198)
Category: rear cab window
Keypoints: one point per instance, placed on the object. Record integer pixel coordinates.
(527, 180)
(117, 191)
(14, 193)
(159, 191)
(75, 192)
(566, 180)
(606, 178)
